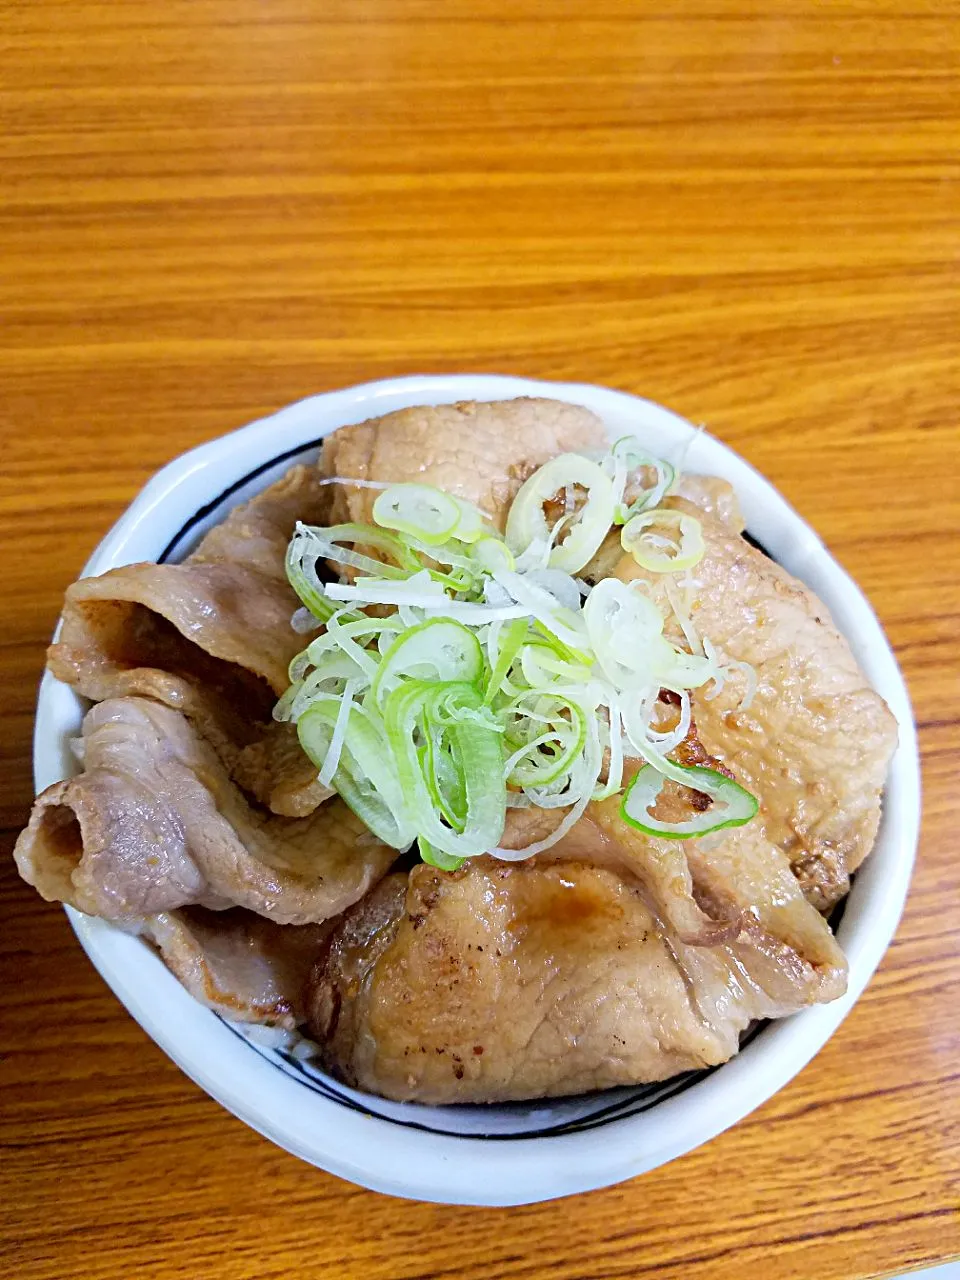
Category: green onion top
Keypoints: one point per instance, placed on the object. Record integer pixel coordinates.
(457, 673)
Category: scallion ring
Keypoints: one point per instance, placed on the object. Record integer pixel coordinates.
(419, 510)
(527, 522)
(664, 541)
(730, 804)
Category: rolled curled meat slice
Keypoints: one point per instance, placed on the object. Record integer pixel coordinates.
(210, 637)
(154, 823)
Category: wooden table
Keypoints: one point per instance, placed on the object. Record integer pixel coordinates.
(752, 215)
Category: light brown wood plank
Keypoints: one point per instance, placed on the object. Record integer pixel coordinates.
(211, 208)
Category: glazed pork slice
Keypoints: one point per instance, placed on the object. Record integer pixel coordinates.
(816, 741)
(239, 964)
(659, 867)
(504, 982)
(256, 533)
(716, 497)
(154, 823)
(705, 891)
(223, 627)
(479, 451)
(210, 637)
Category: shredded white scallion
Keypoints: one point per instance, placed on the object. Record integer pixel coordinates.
(332, 760)
(353, 483)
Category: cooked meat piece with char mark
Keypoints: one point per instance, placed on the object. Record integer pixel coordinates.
(815, 743)
(408, 997)
(154, 823)
(241, 965)
(476, 450)
(210, 637)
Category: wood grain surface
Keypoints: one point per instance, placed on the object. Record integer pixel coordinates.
(749, 213)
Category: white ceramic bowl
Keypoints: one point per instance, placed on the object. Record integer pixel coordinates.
(484, 1155)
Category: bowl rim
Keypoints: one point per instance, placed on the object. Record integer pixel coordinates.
(373, 1152)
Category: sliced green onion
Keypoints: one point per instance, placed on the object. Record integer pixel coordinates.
(505, 645)
(665, 742)
(435, 858)
(527, 523)
(354, 483)
(402, 561)
(475, 750)
(736, 805)
(542, 668)
(562, 622)
(439, 649)
(328, 679)
(559, 584)
(628, 455)
(442, 774)
(418, 509)
(283, 710)
(472, 525)
(492, 553)
(301, 562)
(340, 633)
(591, 764)
(681, 670)
(365, 776)
(331, 761)
(331, 642)
(681, 611)
(624, 629)
(495, 672)
(451, 553)
(310, 544)
(550, 755)
(303, 621)
(664, 541)
(566, 652)
(421, 592)
(615, 745)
